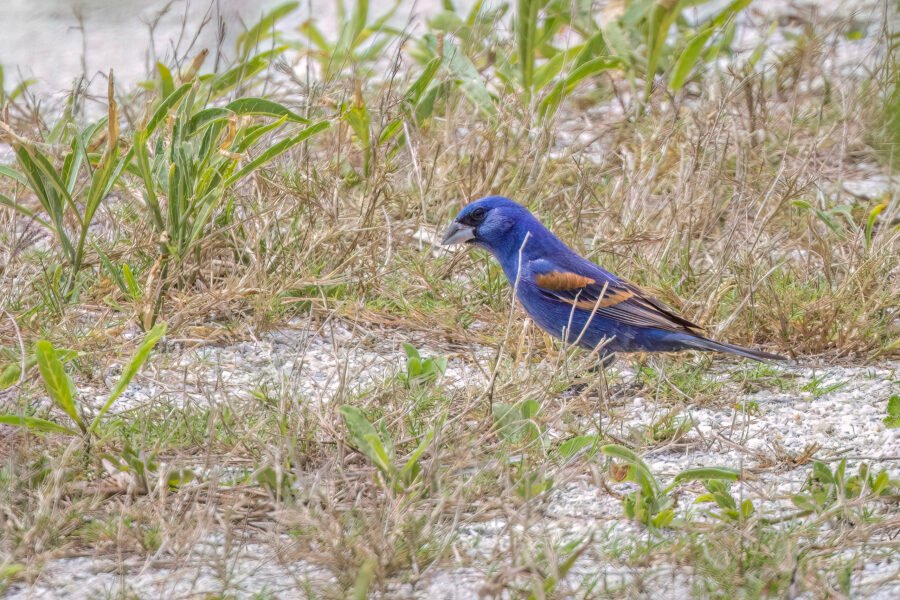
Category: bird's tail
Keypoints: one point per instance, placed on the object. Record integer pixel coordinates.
(706, 344)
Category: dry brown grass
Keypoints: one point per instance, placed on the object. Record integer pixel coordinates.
(721, 200)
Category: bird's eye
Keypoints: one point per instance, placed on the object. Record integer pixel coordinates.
(478, 215)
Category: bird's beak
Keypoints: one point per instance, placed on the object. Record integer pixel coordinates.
(458, 233)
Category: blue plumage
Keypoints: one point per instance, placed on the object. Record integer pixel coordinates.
(570, 297)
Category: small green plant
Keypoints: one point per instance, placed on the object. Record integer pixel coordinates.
(826, 489)
(555, 566)
(579, 444)
(186, 170)
(419, 370)
(61, 389)
(278, 482)
(641, 36)
(668, 427)
(359, 42)
(59, 187)
(718, 492)
(652, 504)
(818, 388)
(517, 423)
(892, 420)
(378, 447)
(142, 471)
(10, 96)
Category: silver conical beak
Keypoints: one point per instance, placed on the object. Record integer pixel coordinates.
(458, 234)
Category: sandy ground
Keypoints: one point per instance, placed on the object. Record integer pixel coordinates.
(841, 413)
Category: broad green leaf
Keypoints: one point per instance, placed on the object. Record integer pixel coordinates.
(314, 35)
(206, 116)
(892, 421)
(870, 222)
(415, 91)
(379, 454)
(10, 375)
(462, 70)
(410, 351)
(131, 369)
(166, 82)
(639, 469)
(515, 421)
(35, 424)
(446, 21)
(661, 18)
(685, 63)
(359, 429)
(56, 381)
(261, 106)
(573, 446)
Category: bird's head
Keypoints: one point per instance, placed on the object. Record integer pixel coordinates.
(496, 224)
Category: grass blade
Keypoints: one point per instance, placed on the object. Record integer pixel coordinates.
(137, 361)
(56, 381)
(261, 106)
(685, 63)
(276, 150)
(35, 424)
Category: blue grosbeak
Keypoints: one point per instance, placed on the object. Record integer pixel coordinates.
(570, 297)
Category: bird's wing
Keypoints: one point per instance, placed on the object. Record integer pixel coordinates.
(602, 293)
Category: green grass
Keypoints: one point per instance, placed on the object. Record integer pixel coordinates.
(233, 202)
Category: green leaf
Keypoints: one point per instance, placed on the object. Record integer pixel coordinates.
(166, 82)
(688, 58)
(35, 424)
(264, 28)
(9, 203)
(410, 351)
(56, 381)
(463, 71)
(573, 446)
(417, 89)
(707, 473)
(206, 117)
(639, 470)
(233, 77)
(663, 518)
(446, 21)
(163, 109)
(10, 375)
(8, 172)
(411, 468)
(526, 35)
(379, 454)
(515, 422)
(892, 421)
(359, 429)
(261, 106)
(870, 222)
(276, 150)
(130, 370)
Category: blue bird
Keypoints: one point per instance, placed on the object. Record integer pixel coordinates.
(570, 297)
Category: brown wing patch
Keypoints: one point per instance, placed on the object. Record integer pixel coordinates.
(559, 281)
(610, 298)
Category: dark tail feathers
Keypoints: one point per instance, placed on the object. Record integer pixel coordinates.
(705, 344)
